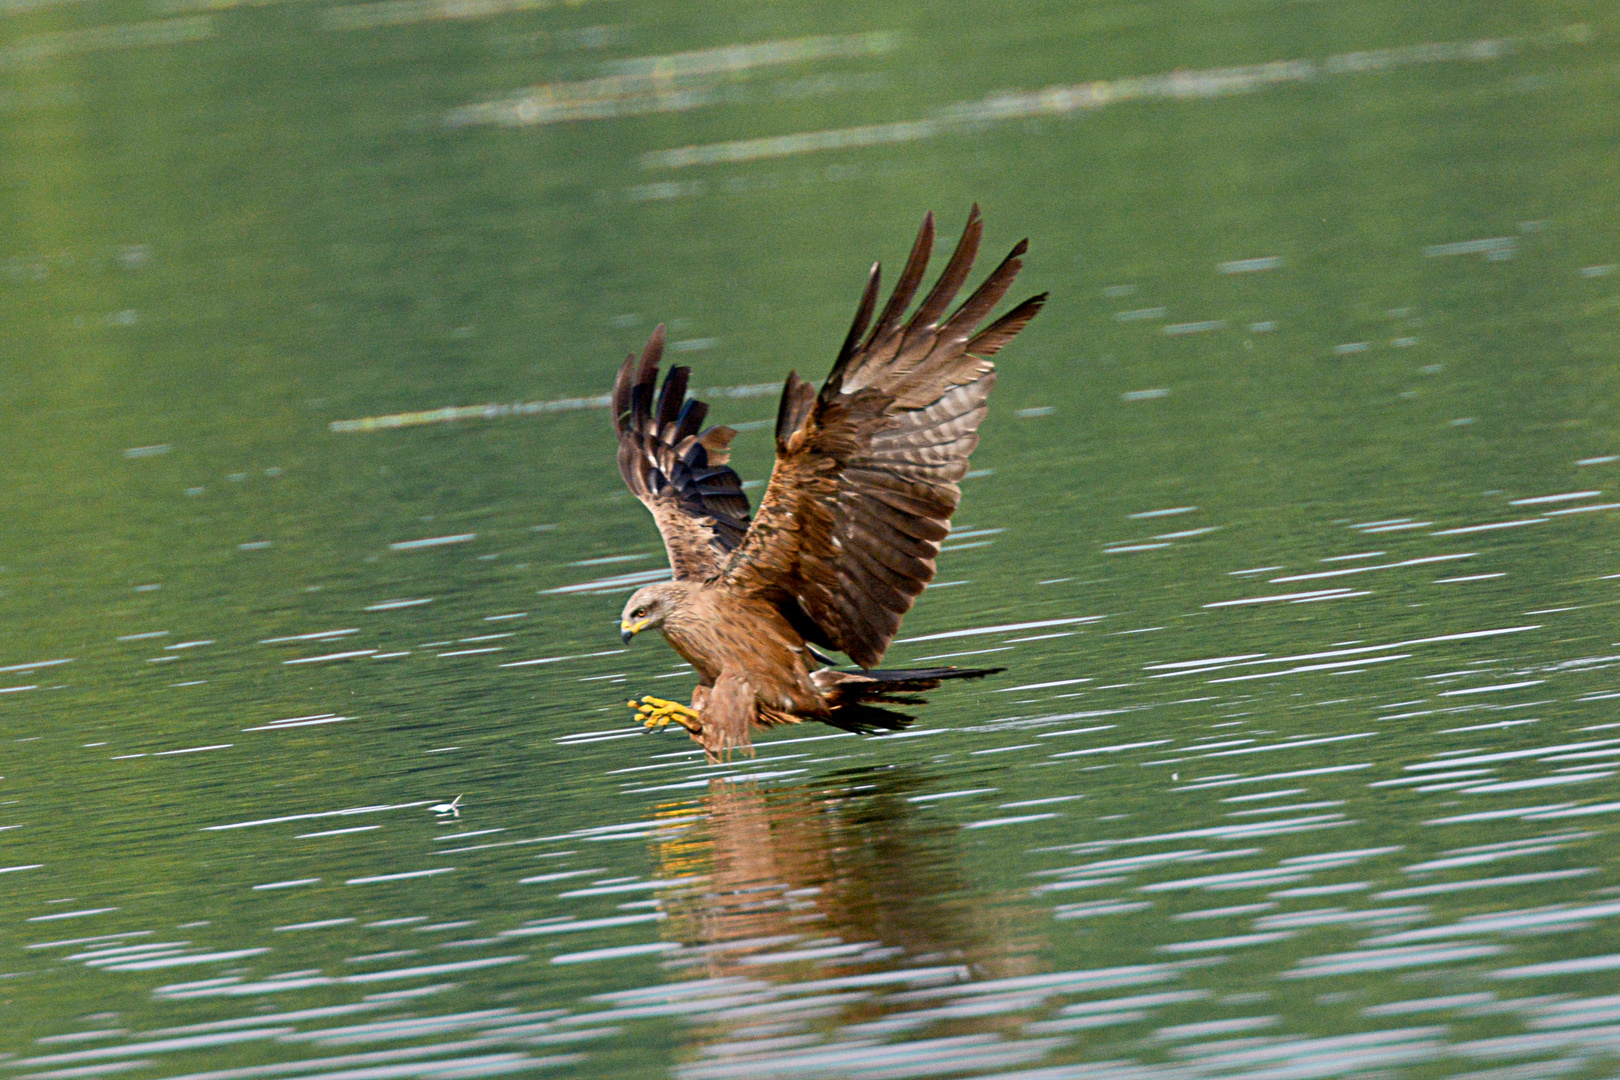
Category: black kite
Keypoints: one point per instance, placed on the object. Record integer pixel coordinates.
(862, 493)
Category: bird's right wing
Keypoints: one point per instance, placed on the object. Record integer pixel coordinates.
(865, 479)
(676, 469)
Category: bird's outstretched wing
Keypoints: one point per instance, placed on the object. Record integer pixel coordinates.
(866, 470)
(676, 469)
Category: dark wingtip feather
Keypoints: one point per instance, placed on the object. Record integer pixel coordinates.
(654, 349)
(621, 391)
(990, 340)
(639, 395)
(857, 327)
(905, 287)
(950, 279)
(965, 319)
(671, 397)
(689, 422)
(651, 354)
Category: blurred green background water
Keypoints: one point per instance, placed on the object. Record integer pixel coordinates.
(1312, 266)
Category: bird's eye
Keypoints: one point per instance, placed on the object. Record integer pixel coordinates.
(639, 612)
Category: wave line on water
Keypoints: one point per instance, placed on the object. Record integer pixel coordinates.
(38, 48)
(1003, 628)
(331, 656)
(495, 410)
(1568, 496)
(1199, 786)
(299, 721)
(1492, 526)
(1198, 667)
(431, 542)
(1508, 755)
(402, 876)
(37, 664)
(1316, 575)
(319, 814)
(1062, 100)
(1313, 667)
(1297, 597)
(658, 84)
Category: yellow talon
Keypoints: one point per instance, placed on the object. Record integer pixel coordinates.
(658, 713)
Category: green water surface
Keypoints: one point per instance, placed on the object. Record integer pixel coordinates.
(1296, 491)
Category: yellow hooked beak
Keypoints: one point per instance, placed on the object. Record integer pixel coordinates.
(628, 630)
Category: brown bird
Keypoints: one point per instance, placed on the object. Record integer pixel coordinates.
(861, 496)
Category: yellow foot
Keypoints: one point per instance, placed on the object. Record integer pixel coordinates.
(658, 713)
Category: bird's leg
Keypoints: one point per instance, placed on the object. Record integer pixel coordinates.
(658, 713)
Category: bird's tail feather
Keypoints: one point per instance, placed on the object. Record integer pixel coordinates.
(890, 680)
(862, 718)
(856, 696)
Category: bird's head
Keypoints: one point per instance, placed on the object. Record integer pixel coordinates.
(647, 609)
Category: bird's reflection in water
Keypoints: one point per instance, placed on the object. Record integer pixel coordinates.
(839, 884)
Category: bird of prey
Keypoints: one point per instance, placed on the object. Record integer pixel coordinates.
(861, 495)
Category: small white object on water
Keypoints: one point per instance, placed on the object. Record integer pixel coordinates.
(453, 807)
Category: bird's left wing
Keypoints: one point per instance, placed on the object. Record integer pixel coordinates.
(865, 479)
(676, 469)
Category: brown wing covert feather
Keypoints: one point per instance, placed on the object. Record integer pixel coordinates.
(677, 470)
(866, 471)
